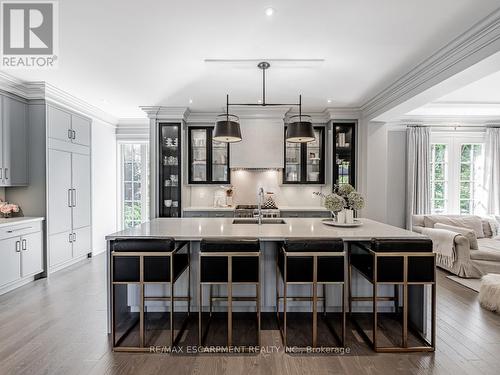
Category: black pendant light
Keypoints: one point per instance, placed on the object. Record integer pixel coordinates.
(299, 128)
(227, 127)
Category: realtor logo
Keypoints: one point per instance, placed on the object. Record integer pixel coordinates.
(29, 34)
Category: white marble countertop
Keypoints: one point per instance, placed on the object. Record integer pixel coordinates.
(281, 208)
(18, 220)
(195, 229)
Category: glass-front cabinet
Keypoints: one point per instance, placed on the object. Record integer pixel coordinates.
(208, 159)
(344, 152)
(170, 169)
(305, 162)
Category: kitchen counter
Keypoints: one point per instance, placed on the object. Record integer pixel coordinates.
(19, 220)
(194, 229)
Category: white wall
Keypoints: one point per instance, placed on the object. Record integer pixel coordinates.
(103, 184)
(382, 172)
(396, 177)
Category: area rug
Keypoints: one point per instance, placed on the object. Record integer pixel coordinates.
(473, 284)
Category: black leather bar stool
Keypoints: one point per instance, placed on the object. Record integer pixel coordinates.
(404, 263)
(229, 262)
(142, 262)
(310, 262)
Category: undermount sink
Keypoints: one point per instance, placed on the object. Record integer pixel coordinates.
(256, 221)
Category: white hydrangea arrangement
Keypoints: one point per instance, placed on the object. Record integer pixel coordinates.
(344, 196)
(332, 202)
(355, 201)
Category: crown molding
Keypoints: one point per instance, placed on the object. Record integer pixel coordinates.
(449, 121)
(133, 122)
(60, 97)
(166, 113)
(45, 91)
(477, 43)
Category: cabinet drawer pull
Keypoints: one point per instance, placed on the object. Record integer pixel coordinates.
(73, 198)
(74, 237)
(219, 215)
(18, 229)
(74, 134)
(69, 197)
(1, 173)
(70, 237)
(18, 247)
(70, 134)
(6, 174)
(24, 247)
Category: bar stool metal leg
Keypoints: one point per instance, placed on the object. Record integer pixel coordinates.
(229, 301)
(315, 302)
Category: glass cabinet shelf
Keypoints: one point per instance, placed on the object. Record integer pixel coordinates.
(344, 152)
(170, 170)
(208, 159)
(305, 162)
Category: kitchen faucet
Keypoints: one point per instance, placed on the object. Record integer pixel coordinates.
(259, 204)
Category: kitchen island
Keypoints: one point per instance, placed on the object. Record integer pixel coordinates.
(270, 235)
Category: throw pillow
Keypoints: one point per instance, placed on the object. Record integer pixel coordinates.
(467, 233)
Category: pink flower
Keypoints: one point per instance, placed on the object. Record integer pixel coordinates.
(8, 208)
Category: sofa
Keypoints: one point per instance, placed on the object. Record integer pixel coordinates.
(468, 261)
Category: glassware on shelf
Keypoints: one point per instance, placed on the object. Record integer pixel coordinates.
(169, 169)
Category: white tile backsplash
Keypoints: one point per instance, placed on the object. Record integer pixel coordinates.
(246, 184)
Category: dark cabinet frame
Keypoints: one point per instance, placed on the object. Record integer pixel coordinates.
(303, 161)
(162, 209)
(209, 152)
(352, 170)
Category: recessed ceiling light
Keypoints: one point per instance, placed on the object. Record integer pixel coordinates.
(259, 101)
(190, 101)
(270, 11)
(329, 100)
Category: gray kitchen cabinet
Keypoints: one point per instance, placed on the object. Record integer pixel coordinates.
(69, 187)
(14, 142)
(81, 241)
(305, 213)
(31, 254)
(21, 254)
(209, 213)
(81, 130)
(81, 190)
(59, 192)
(67, 126)
(10, 264)
(60, 248)
(69, 206)
(59, 124)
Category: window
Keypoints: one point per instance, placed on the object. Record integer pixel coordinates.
(471, 178)
(439, 178)
(134, 184)
(457, 171)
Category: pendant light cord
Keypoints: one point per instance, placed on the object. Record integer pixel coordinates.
(263, 86)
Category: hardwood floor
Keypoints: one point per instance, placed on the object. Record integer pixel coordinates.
(58, 326)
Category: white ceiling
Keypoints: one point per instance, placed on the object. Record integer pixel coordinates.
(480, 98)
(118, 55)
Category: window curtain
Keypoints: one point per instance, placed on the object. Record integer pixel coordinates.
(418, 179)
(492, 170)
